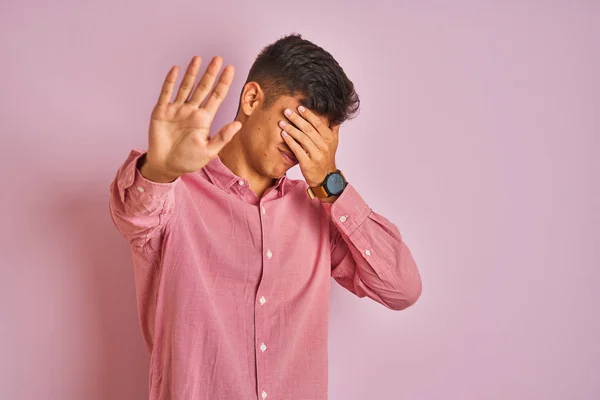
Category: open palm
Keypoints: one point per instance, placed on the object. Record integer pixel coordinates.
(179, 134)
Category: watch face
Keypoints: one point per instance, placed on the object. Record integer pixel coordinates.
(335, 184)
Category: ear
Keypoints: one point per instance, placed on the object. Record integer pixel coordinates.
(252, 97)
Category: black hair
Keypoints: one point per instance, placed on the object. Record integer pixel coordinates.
(294, 66)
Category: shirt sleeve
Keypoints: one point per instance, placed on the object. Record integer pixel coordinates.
(368, 255)
(140, 208)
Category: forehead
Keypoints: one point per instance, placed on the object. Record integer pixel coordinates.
(292, 102)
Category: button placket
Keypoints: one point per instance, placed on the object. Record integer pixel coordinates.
(262, 347)
(262, 300)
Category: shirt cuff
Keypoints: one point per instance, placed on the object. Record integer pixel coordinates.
(348, 211)
(130, 178)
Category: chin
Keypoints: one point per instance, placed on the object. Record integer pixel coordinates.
(273, 170)
(284, 168)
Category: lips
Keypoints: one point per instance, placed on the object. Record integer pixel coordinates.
(289, 157)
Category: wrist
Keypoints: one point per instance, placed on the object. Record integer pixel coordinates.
(330, 189)
(322, 180)
(330, 199)
(154, 174)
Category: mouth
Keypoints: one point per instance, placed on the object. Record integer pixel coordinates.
(289, 157)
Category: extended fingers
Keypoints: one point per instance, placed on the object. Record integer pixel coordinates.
(187, 83)
(206, 81)
(315, 121)
(166, 91)
(300, 137)
(306, 129)
(216, 98)
(298, 150)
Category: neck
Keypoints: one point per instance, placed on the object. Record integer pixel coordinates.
(234, 158)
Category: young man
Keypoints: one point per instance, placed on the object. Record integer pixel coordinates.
(232, 258)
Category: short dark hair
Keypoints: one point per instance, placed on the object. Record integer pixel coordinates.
(295, 66)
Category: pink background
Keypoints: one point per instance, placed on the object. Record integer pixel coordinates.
(479, 136)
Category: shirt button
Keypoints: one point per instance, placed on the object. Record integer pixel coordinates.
(140, 189)
(241, 183)
(263, 347)
(263, 209)
(269, 254)
(368, 252)
(343, 218)
(262, 300)
(264, 394)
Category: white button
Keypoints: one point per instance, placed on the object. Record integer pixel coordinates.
(343, 218)
(263, 347)
(263, 300)
(140, 189)
(368, 252)
(269, 254)
(263, 210)
(241, 183)
(264, 394)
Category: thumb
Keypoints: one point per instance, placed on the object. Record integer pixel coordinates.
(222, 137)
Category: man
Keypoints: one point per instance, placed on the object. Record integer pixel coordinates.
(232, 258)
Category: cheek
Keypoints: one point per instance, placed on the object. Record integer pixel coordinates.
(272, 140)
(266, 140)
(266, 137)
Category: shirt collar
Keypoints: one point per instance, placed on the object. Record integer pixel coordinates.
(221, 176)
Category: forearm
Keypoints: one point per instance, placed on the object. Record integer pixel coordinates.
(369, 256)
(139, 207)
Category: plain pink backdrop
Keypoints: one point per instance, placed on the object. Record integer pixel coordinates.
(479, 136)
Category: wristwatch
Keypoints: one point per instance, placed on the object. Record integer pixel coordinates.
(333, 185)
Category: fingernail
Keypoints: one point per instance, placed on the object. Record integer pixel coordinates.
(284, 133)
(288, 112)
(301, 109)
(282, 124)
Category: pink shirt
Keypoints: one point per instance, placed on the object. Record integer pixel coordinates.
(233, 289)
